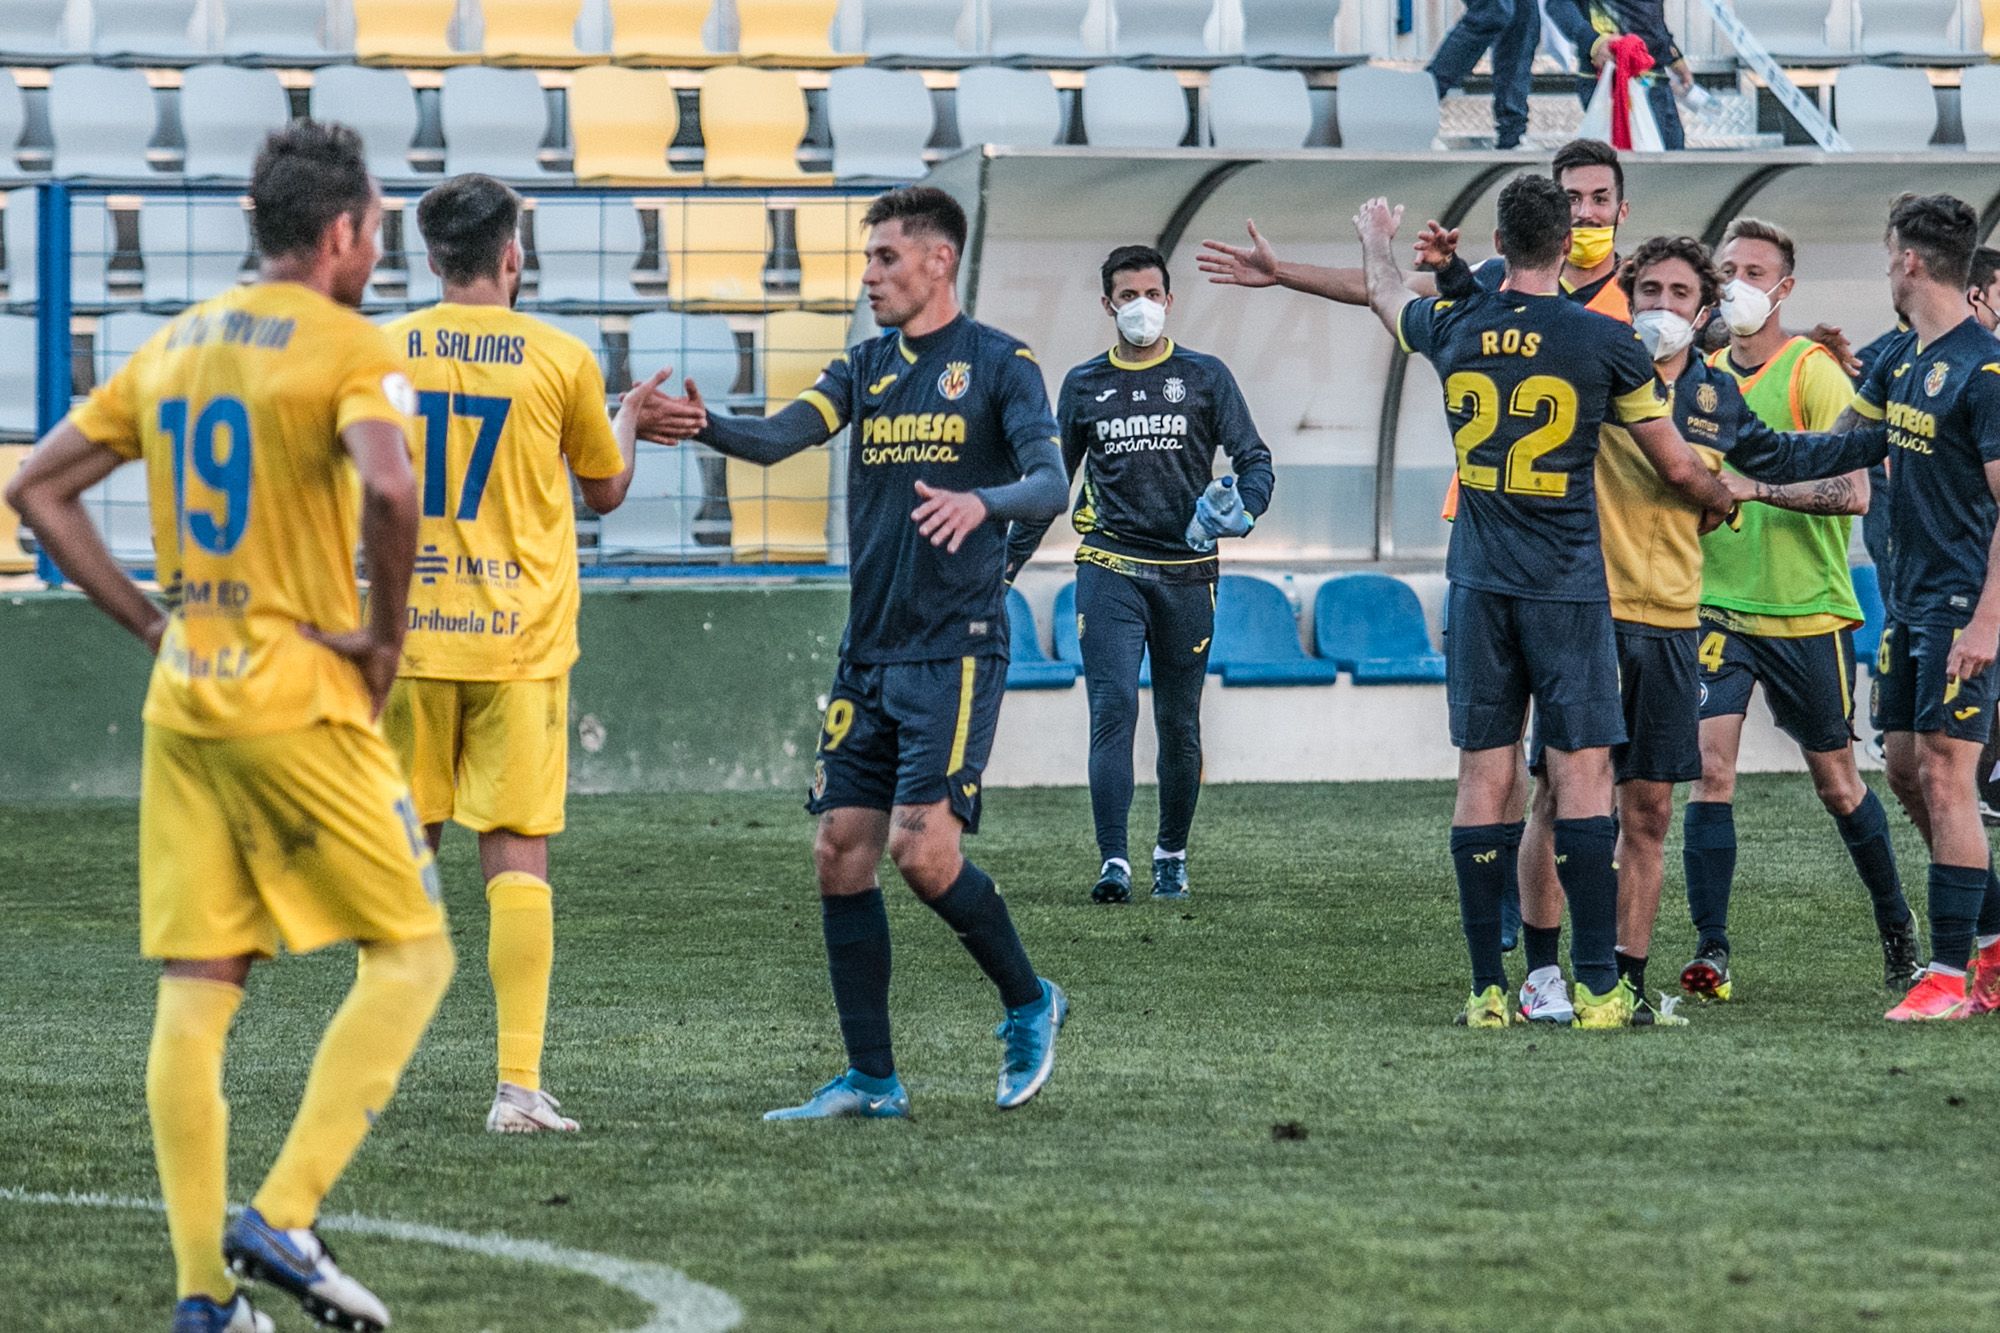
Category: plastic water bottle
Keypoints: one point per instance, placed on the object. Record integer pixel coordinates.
(1227, 504)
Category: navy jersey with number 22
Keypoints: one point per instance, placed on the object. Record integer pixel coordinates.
(1528, 380)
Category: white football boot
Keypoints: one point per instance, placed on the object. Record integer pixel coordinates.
(1545, 998)
(516, 1110)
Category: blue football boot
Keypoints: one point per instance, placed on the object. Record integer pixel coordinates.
(199, 1314)
(1170, 878)
(1030, 1036)
(298, 1263)
(1114, 884)
(852, 1095)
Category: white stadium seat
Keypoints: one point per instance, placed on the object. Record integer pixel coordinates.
(18, 363)
(1289, 29)
(277, 29)
(586, 249)
(120, 507)
(1979, 108)
(657, 518)
(1909, 28)
(119, 334)
(912, 29)
(1789, 29)
(699, 347)
(1259, 108)
(192, 248)
(880, 119)
(1133, 108)
(161, 29)
(1163, 29)
(1020, 107)
(1038, 28)
(34, 28)
(101, 120)
(225, 114)
(13, 118)
(1883, 110)
(379, 104)
(494, 121)
(1386, 110)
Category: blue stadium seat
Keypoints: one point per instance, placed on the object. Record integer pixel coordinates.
(1372, 626)
(1257, 638)
(1029, 668)
(1868, 591)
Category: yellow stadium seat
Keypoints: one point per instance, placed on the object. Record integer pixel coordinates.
(661, 32)
(405, 32)
(715, 253)
(533, 32)
(621, 122)
(1990, 42)
(778, 514)
(830, 255)
(797, 346)
(13, 560)
(788, 33)
(751, 123)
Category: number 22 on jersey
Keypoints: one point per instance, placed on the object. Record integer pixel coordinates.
(1470, 389)
(437, 410)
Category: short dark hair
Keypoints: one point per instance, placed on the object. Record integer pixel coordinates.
(1588, 153)
(920, 208)
(1756, 229)
(1942, 229)
(467, 223)
(1130, 259)
(1684, 248)
(1534, 222)
(306, 175)
(1985, 267)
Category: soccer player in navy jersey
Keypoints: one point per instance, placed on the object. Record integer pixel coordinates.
(952, 439)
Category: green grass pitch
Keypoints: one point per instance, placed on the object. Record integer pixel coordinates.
(1788, 1162)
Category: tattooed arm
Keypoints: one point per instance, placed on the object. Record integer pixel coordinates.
(1845, 494)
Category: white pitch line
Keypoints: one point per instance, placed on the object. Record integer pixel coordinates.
(679, 1303)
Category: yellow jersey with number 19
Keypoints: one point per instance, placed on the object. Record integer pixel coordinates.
(504, 401)
(236, 407)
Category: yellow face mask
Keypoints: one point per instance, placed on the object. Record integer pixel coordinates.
(1591, 246)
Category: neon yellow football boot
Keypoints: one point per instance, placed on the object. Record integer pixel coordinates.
(1613, 1009)
(1486, 1009)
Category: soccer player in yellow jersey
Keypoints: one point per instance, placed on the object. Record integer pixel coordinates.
(507, 408)
(271, 423)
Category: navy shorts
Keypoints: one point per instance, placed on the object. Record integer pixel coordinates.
(1501, 651)
(1659, 695)
(1912, 692)
(908, 733)
(1808, 682)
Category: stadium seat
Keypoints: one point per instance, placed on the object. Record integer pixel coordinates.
(35, 28)
(21, 231)
(1372, 626)
(1133, 108)
(1257, 638)
(587, 330)
(1017, 107)
(1868, 591)
(1794, 31)
(586, 249)
(277, 30)
(797, 346)
(1165, 30)
(621, 123)
(494, 121)
(777, 515)
(1979, 108)
(225, 114)
(828, 236)
(657, 518)
(532, 32)
(192, 248)
(145, 30)
(1028, 667)
(791, 33)
(715, 252)
(880, 119)
(1915, 30)
(13, 119)
(13, 560)
(1289, 30)
(93, 242)
(379, 104)
(18, 362)
(120, 508)
(661, 32)
(912, 31)
(752, 121)
(1883, 110)
(1386, 110)
(405, 32)
(1043, 30)
(1259, 109)
(421, 285)
(119, 334)
(701, 348)
(101, 120)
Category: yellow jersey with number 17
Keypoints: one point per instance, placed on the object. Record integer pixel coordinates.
(236, 407)
(504, 401)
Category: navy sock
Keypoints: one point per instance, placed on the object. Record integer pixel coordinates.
(1510, 900)
(1477, 851)
(1632, 968)
(1709, 856)
(1865, 830)
(1544, 946)
(856, 926)
(1956, 895)
(973, 908)
(1989, 906)
(1584, 852)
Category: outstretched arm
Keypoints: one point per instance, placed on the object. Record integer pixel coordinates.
(1682, 469)
(803, 423)
(1778, 458)
(1844, 494)
(1257, 265)
(1387, 292)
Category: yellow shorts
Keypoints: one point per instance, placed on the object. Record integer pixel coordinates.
(305, 835)
(490, 754)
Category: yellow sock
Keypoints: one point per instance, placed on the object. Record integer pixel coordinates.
(396, 990)
(520, 955)
(191, 1125)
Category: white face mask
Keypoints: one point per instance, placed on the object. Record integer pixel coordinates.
(1142, 321)
(1665, 334)
(1745, 309)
